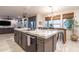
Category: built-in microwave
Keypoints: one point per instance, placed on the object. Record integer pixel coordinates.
(5, 23)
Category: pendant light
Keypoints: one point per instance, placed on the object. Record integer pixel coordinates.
(24, 13)
(51, 11)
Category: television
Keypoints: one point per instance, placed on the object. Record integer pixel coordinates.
(5, 23)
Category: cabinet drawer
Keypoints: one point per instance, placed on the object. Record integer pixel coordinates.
(40, 48)
(40, 45)
(39, 41)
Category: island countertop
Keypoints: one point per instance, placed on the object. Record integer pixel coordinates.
(39, 33)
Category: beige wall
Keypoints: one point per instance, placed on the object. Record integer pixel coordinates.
(40, 18)
(77, 19)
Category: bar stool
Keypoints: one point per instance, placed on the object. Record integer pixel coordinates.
(61, 36)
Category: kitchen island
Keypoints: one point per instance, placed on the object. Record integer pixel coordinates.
(36, 40)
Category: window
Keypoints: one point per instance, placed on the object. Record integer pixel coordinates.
(47, 24)
(53, 24)
(26, 23)
(57, 23)
(63, 22)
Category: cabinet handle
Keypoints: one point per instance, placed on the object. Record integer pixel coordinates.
(33, 37)
(31, 42)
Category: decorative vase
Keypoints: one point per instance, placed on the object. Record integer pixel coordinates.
(74, 37)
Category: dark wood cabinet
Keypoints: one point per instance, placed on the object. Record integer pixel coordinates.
(6, 30)
(46, 45)
(16, 36)
(33, 44)
(68, 15)
(21, 40)
(40, 44)
(24, 41)
(36, 43)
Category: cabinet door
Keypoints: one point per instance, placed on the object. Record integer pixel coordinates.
(24, 41)
(48, 45)
(33, 44)
(20, 38)
(40, 44)
(32, 47)
(16, 36)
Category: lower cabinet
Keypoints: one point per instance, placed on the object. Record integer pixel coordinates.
(46, 45)
(21, 39)
(6, 30)
(33, 44)
(36, 44)
(24, 41)
(40, 44)
(18, 37)
(32, 47)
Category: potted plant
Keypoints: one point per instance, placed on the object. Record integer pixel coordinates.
(74, 36)
(51, 25)
(70, 24)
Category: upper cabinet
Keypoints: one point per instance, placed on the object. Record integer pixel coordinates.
(68, 15)
(48, 18)
(56, 20)
(7, 17)
(64, 16)
(57, 17)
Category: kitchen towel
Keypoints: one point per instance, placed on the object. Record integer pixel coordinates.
(28, 40)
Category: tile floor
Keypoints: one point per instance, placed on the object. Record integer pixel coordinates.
(7, 44)
(69, 46)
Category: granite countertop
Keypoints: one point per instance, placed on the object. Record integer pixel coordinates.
(39, 33)
(21, 29)
(6, 27)
(43, 33)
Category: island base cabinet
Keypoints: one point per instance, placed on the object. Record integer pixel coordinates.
(50, 44)
(46, 45)
(40, 45)
(16, 37)
(37, 44)
(32, 47)
(33, 42)
(20, 38)
(54, 41)
(24, 41)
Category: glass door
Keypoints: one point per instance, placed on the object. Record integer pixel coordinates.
(32, 23)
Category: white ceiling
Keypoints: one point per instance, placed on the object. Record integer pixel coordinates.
(16, 11)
